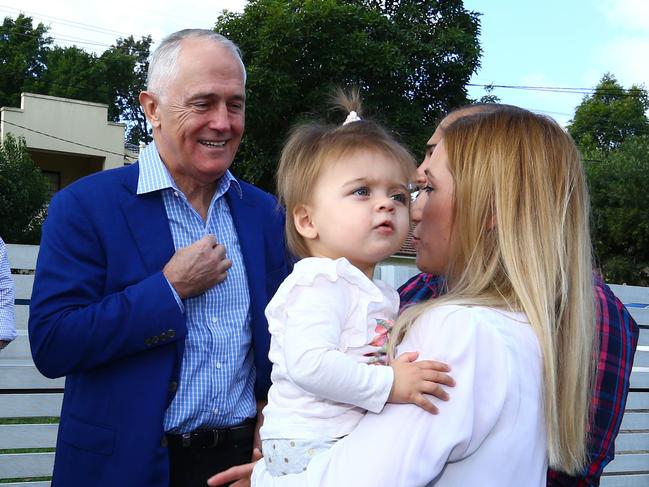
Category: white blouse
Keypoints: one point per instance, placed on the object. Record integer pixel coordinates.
(490, 433)
(325, 322)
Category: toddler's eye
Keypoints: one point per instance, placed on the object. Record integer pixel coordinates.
(364, 191)
(401, 198)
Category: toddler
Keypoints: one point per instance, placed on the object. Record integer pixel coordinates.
(346, 192)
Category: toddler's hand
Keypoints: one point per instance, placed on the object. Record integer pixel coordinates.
(414, 379)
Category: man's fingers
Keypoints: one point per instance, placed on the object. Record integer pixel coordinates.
(219, 251)
(222, 268)
(225, 264)
(240, 472)
(209, 240)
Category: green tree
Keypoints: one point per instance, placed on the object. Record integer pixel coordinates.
(22, 53)
(604, 120)
(411, 60)
(125, 67)
(71, 72)
(619, 190)
(29, 63)
(23, 193)
(612, 130)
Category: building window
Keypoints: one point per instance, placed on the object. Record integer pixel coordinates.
(54, 179)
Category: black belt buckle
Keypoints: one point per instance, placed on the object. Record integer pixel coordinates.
(201, 439)
(216, 434)
(211, 438)
(186, 440)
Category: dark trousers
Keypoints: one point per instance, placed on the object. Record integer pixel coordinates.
(191, 466)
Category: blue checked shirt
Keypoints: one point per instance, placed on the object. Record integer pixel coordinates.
(7, 317)
(217, 376)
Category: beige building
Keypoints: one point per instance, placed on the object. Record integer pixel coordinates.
(66, 138)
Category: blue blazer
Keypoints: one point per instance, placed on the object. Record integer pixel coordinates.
(103, 315)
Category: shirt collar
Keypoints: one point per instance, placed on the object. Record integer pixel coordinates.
(154, 175)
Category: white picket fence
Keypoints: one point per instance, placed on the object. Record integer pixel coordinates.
(25, 394)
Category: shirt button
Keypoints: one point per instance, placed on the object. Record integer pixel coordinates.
(218, 365)
(176, 194)
(215, 320)
(215, 410)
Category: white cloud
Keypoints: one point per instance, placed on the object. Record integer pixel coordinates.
(624, 55)
(626, 59)
(628, 14)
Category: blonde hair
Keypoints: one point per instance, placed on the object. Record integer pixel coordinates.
(312, 146)
(521, 241)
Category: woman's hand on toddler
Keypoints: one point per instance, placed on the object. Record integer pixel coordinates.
(412, 380)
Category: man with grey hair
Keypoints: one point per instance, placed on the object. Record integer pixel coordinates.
(151, 286)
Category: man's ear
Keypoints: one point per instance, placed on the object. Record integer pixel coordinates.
(150, 106)
(304, 223)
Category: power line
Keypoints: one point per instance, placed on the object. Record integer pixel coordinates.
(56, 37)
(71, 23)
(65, 140)
(569, 90)
(547, 112)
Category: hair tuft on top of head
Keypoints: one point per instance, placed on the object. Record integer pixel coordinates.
(349, 101)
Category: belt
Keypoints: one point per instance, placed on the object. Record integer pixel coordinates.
(211, 438)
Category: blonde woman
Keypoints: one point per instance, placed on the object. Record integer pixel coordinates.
(504, 215)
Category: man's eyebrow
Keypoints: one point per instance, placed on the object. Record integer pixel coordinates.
(211, 95)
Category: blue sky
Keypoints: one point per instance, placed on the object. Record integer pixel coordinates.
(553, 43)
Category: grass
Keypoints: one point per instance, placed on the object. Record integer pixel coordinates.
(33, 420)
(44, 420)
(28, 479)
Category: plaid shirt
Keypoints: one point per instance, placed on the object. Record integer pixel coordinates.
(618, 334)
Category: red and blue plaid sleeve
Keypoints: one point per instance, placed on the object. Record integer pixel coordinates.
(420, 288)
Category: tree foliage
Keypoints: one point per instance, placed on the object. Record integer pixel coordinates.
(22, 54)
(612, 131)
(71, 72)
(612, 114)
(125, 67)
(619, 189)
(29, 62)
(23, 193)
(411, 60)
